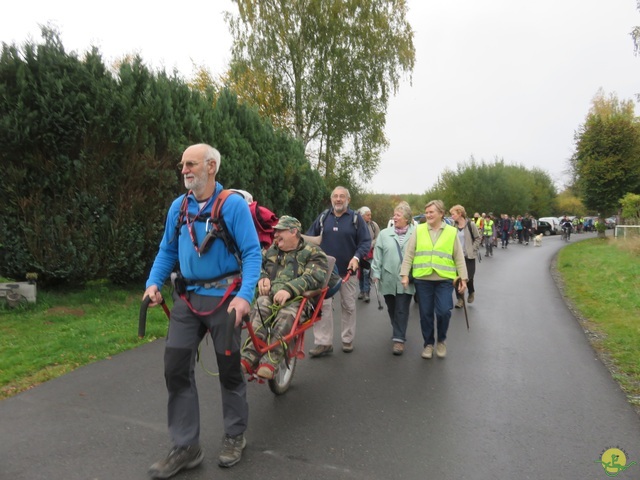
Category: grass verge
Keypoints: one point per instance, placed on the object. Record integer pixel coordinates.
(600, 279)
(67, 329)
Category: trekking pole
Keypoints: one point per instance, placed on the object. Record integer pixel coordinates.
(375, 285)
(456, 282)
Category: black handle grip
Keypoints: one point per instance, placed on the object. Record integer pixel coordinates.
(228, 334)
(142, 319)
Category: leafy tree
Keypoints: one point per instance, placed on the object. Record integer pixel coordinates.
(635, 33)
(329, 66)
(497, 187)
(570, 204)
(630, 209)
(606, 161)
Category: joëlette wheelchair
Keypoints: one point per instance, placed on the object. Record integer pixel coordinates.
(293, 342)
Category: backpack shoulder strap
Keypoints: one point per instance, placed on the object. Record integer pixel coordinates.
(218, 202)
(473, 237)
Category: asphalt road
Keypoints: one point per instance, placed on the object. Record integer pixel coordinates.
(521, 395)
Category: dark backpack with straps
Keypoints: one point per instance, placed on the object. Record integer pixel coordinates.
(325, 213)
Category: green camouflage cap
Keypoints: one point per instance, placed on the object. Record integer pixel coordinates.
(286, 222)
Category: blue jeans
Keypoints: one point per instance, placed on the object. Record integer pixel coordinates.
(434, 298)
(365, 280)
(505, 238)
(398, 307)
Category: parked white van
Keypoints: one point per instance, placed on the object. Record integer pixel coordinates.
(553, 221)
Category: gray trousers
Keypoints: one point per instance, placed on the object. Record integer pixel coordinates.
(186, 330)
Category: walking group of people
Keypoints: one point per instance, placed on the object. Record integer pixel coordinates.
(425, 260)
(504, 229)
(431, 260)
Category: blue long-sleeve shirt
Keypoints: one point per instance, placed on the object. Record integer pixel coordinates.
(217, 261)
(341, 239)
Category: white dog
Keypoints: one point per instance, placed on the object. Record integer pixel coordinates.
(537, 240)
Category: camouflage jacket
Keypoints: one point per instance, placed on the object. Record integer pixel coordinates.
(297, 271)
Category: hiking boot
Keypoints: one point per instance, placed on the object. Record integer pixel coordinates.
(347, 347)
(471, 298)
(231, 450)
(321, 350)
(398, 348)
(441, 350)
(266, 371)
(361, 296)
(427, 352)
(179, 458)
(460, 303)
(366, 298)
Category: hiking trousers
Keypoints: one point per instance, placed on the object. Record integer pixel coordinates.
(323, 328)
(186, 330)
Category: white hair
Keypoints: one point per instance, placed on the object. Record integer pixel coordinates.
(211, 153)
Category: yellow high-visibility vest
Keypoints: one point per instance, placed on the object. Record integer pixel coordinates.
(438, 257)
(488, 227)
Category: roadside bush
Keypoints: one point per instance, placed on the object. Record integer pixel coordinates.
(89, 161)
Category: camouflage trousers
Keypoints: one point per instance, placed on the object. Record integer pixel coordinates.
(269, 330)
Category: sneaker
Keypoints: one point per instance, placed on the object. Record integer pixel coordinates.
(460, 303)
(441, 350)
(361, 296)
(347, 347)
(179, 458)
(321, 350)
(427, 352)
(398, 348)
(266, 371)
(366, 298)
(471, 298)
(231, 450)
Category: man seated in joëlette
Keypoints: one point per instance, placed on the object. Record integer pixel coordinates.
(290, 267)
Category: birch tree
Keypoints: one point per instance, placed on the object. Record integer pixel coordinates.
(333, 65)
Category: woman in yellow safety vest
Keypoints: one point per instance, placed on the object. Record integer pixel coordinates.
(435, 258)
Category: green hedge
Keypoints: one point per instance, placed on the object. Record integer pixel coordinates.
(89, 156)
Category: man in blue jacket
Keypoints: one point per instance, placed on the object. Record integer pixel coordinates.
(204, 292)
(346, 237)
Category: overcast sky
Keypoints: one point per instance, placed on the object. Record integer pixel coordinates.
(509, 79)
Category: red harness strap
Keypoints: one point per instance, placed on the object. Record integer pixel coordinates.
(236, 282)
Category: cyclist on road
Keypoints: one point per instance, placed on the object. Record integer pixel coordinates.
(567, 227)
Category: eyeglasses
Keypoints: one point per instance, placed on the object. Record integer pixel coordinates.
(189, 164)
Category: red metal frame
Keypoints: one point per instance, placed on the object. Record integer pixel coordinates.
(297, 329)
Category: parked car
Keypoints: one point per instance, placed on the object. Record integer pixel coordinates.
(588, 223)
(610, 222)
(553, 221)
(545, 228)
